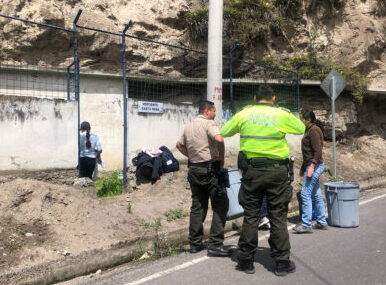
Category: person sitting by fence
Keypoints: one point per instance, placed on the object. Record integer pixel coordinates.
(90, 148)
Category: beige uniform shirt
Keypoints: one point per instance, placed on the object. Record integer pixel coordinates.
(198, 138)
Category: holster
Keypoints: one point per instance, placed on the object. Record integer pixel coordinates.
(291, 169)
(242, 161)
(220, 176)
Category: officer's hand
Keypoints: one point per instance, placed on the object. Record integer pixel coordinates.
(301, 173)
(310, 170)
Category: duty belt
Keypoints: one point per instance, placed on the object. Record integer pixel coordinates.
(264, 161)
(199, 164)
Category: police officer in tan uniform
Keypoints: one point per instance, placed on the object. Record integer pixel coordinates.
(203, 144)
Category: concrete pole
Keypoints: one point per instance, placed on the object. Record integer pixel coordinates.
(214, 86)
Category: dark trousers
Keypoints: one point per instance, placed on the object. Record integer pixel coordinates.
(272, 182)
(203, 186)
(263, 208)
(86, 167)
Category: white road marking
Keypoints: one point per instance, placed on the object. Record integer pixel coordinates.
(372, 199)
(170, 270)
(201, 259)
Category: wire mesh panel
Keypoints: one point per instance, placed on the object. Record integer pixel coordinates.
(248, 76)
(33, 59)
(165, 73)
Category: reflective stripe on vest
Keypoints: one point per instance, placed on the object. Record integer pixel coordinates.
(262, 138)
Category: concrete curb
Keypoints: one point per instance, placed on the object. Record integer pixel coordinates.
(91, 261)
(123, 252)
(371, 183)
(85, 262)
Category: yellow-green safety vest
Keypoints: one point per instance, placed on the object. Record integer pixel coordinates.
(262, 129)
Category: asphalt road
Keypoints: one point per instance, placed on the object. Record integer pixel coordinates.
(336, 256)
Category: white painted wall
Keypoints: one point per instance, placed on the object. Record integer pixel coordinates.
(42, 133)
(101, 104)
(37, 133)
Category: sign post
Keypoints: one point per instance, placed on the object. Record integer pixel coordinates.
(333, 85)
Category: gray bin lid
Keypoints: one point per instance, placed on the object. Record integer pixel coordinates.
(342, 185)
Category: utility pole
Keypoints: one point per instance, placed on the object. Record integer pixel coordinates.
(214, 85)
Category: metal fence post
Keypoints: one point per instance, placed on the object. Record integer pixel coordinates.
(230, 76)
(124, 172)
(297, 89)
(76, 74)
(298, 84)
(69, 81)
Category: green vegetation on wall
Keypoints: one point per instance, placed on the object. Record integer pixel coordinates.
(318, 68)
(248, 22)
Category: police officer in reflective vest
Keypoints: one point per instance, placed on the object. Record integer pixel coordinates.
(263, 159)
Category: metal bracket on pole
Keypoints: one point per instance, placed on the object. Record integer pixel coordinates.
(76, 74)
(124, 171)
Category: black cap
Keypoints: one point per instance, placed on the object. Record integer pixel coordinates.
(85, 126)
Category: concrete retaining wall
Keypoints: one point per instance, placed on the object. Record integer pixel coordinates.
(41, 133)
(37, 133)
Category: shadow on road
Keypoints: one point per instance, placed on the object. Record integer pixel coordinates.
(262, 257)
(310, 269)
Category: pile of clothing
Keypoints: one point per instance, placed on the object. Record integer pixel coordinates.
(151, 164)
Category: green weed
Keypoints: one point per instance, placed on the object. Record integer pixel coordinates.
(333, 179)
(176, 214)
(152, 225)
(109, 186)
(13, 245)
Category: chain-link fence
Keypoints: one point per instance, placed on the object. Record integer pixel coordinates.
(34, 59)
(39, 63)
(104, 67)
(245, 77)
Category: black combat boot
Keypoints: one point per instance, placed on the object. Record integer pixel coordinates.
(283, 267)
(246, 266)
(219, 251)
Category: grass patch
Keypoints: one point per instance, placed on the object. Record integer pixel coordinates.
(13, 245)
(176, 214)
(129, 209)
(109, 186)
(152, 225)
(164, 248)
(161, 246)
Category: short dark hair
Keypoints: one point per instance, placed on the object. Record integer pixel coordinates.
(265, 92)
(205, 105)
(309, 114)
(85, 126)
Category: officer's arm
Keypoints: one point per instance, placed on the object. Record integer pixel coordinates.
(291, 124)
(182, 148)
(221, 148)
(231, 127)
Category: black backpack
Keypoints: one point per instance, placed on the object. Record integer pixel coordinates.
(169, 162)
